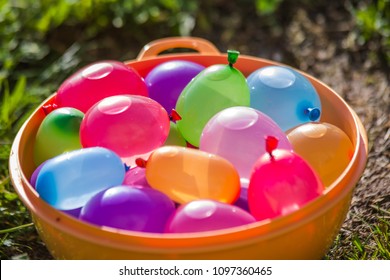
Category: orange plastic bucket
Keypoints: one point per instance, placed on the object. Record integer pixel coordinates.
(305, 234)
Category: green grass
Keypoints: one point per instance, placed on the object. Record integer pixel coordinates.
(375, 245)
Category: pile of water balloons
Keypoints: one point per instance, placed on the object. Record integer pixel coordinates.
(187, 148)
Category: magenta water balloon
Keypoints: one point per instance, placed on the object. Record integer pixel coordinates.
(126, 124)
(238, 135)
(285, 95)
(130, 208)
(136, 176)
(206, 215)
(167, 80)
(97, 81)
(282, 182)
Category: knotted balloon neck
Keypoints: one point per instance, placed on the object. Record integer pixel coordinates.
(140, 162)
(174, 116)
(232, 57)
(313, 113)
(48, 108)
(271, 143)
(127, 167)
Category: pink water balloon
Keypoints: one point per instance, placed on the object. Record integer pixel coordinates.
(238, 134)
(136, 176)
(127, 124)
(281, 183)
(206, 215)
(97, 81)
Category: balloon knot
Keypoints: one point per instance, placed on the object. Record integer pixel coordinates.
(313, 113)
(271, 143)
(127, 167)
(140, 162)
(48, 108)
(232, 57)
(175, 116)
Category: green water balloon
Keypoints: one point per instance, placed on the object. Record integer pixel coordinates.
(174, 137)
(217, 87)
(58, 133)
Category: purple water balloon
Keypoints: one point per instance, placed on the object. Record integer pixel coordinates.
(129, 207)
(242, 200)
(34, 176)
(73, 212)
(166, 81)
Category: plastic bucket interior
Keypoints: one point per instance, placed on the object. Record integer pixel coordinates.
(307, 233)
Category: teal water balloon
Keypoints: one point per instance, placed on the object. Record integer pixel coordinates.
(212, 90)
(67, 181)
(285, 95)
(59, 132)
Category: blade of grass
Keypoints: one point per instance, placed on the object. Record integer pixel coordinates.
(13, 100)
(380, 209)
(358, 244)
(9, 230)
(381, 246)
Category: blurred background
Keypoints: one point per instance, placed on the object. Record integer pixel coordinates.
(346, 44)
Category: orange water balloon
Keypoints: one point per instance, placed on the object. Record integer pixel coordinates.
(325, 146)
(186, 174)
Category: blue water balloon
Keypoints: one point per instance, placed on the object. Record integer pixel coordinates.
(285, 95)
(67, 181)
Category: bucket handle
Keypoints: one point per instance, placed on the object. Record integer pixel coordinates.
(155, 47)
